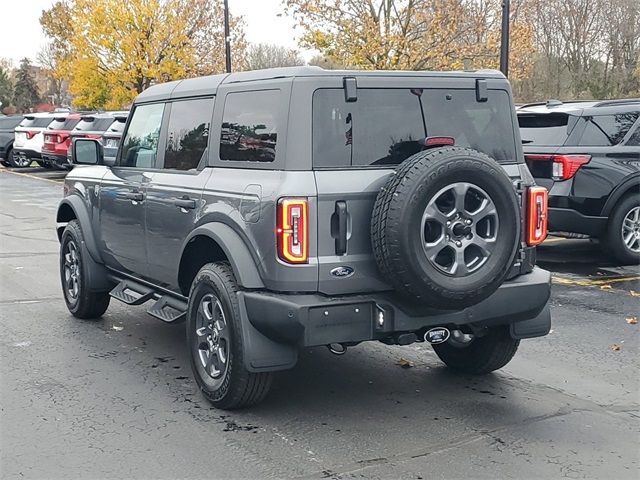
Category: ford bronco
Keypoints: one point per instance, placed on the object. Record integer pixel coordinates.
(288, 208)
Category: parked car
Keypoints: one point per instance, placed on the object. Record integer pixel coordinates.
(588, 155)
(57, 139)
(281, 209)
(29, 138)
(91, 125)
(7, 135)
(112, 136)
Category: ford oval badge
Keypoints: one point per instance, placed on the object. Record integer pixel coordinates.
(437, 335)
(342, 272)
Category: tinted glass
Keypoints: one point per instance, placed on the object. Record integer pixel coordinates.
(187, 133)
(384, 125)
(63, 124)
(140, 146)
(92, 124)
(36, 122)
(118, 125)
(250, 126)
(56, 124)
(607, 130)
(10, 122)
(546, 128)
(634, 139)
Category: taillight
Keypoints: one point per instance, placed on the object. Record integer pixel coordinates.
(433, 142)
(563, 167)
(30, 135)
(293, 230)
(537, 215)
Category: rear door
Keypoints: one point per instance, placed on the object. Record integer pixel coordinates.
(124, 189)
(357, 144)
(174, 191)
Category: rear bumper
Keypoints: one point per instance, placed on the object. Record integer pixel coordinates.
(568, 220)
(310, 320)
(59, 161)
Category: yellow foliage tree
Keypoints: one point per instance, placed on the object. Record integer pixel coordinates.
(111, 50)
(411, 34)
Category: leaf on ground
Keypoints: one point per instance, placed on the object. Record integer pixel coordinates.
(404, 363)
(615, 347)
(634, 293)
(605, 287)
(631, 320)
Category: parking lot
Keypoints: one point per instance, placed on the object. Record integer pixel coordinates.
(115, 397)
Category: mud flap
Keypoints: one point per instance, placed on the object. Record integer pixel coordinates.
(537, 326)
(262, 354)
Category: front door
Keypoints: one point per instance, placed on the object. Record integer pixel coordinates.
(124, 190)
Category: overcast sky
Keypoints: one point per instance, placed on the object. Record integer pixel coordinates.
(21, 34)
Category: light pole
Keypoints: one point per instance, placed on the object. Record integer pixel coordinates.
(504, 39)
(227, 38)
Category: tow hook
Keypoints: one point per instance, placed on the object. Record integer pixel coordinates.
(337, 348)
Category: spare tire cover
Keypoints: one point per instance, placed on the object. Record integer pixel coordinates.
(446, 227)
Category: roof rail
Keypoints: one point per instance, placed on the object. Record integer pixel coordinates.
(618, 101)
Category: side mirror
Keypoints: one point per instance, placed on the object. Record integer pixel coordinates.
(87, 151)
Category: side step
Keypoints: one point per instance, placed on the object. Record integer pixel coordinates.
(169, 309)
(166, 308)
(132, 293)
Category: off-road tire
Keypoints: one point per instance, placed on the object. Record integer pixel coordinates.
(89, 304)
(612, 240)
(238, 387)
(395, 245)
(483, 354)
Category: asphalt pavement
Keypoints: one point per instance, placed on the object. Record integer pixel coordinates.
(114, 398)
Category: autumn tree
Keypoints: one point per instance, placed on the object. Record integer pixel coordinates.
(409, 34)
(112, 50)
(265, 55)
(6, 89)
(25, 95)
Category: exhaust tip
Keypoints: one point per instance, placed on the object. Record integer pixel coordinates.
(337, 348)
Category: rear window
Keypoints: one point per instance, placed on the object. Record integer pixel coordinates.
(36, 122)
(383, 126)
(63, 123)
(118, 125)
(10, 122)
(607, 130)
(94, 124)
(546, 128)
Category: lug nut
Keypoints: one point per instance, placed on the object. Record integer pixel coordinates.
(448, 223)
(458, 244)
(468, 221)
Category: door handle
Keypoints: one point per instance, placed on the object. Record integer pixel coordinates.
(135, 196)
(341, 233)
(185, 202)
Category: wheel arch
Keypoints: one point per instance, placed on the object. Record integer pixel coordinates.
(73, 208)
(621, 191)
(213, 242)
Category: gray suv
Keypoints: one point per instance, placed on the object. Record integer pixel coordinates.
(281, 209)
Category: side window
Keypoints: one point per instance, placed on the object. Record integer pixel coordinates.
(140, 145)
(188, 133)
(250, 126)
(607, 130)
(634, 139)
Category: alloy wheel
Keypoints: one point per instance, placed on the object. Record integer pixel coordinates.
(212, 336)
(631, 230)
(71, 271)
(459, 229)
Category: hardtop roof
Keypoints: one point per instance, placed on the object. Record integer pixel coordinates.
(208, 85)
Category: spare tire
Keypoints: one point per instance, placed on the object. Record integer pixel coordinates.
(446, 227)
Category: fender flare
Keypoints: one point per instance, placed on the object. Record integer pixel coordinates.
(236, 250)
(621, 190)
(80, 210)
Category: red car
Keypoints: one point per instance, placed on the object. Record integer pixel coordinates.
(57, 139)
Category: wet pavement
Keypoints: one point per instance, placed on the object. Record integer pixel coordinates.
(114, 398)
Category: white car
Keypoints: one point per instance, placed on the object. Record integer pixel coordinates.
(27, 145)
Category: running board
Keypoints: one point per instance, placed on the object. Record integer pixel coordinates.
(132, 293)
(169, 309)
(166, 307)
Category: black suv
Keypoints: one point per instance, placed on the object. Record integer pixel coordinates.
(8, 125)
(588, 155)
(282, 209)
